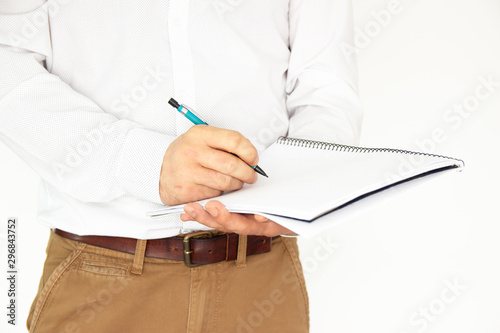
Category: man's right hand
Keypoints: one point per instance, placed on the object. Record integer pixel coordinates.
(199, 165)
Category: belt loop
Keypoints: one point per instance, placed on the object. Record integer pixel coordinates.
(140, 251)
(241, 259)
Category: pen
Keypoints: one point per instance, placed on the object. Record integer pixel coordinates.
(195, 119)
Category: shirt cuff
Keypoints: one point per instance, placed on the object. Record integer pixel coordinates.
(140, 163)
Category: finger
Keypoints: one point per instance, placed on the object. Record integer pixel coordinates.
(267, 227)
(216, 180)
(239, 223)
(190, 192)
(203, 183)
(212, 216)
(260, 218)
(232, 142)
(228, 164)
(197, 213)
(216, 216)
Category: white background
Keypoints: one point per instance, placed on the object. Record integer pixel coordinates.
(392, 269)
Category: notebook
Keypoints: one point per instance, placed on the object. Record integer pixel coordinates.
(312, 182)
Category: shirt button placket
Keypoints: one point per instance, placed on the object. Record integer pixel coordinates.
(182, 59)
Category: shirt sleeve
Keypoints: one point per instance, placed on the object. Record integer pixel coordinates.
(70, 141)
(322, 98)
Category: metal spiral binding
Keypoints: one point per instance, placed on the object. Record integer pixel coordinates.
(353, 149)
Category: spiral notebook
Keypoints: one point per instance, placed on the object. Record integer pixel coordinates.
(311, 182)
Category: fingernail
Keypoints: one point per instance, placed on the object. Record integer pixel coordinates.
(261, 218)
(191, 212)
(213, 212)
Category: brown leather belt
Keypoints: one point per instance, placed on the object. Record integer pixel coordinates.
(193, 251)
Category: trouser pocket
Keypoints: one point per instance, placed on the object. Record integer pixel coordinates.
(83, 289)
(51, 278)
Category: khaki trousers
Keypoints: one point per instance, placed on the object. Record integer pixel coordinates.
(90, 289)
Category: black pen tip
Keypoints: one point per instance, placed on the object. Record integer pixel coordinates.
(260, 171)
(174, 103)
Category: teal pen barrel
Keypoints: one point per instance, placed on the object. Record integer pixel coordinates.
(194, 119)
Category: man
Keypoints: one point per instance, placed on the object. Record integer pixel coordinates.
(84, 103)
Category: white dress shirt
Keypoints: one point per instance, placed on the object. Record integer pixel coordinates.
(85, 86)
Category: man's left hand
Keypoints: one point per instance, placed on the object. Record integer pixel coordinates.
(215, 215)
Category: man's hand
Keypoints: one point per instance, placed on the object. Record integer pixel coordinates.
(216, 216)
(199, 165)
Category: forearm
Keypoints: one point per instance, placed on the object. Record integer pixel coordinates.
(322, 101)
(64, 136)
